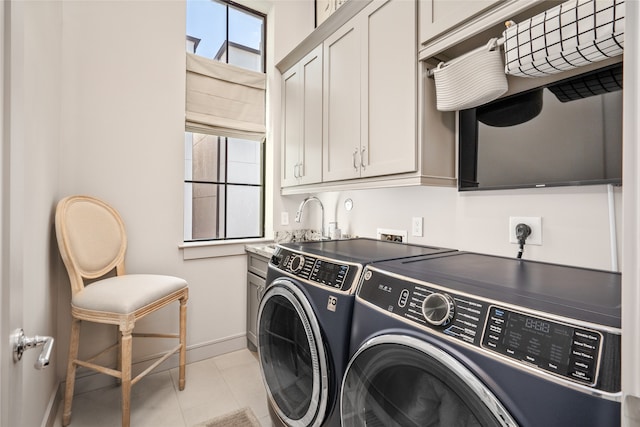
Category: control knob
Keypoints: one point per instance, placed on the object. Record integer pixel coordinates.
(438, 309)
(296, 263)
(276, 259)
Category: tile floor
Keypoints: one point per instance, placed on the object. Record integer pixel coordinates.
(214, 387)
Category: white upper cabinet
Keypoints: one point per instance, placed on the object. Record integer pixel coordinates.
(302, 121)
(342, 71)
(439, 16)
(389, 88)
(370, 93)
(356, 108)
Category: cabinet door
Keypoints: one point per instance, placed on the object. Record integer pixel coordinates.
(255, 288)
(291, 126)
(310, 169)
(438, 16)
(389, 91)
(341, 136)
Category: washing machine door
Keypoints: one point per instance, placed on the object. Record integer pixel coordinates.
(292, 355)
(396, 380)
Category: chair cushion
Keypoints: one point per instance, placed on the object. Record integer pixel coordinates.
(126, 294)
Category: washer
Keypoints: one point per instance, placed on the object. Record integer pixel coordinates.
(470, 339)
(304, 322)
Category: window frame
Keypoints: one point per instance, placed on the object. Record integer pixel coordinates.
(250, 12)
(222, 182)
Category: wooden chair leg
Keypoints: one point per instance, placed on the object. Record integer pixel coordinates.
(126, 377)
(74, 341)
(119, 358)
(183, 343)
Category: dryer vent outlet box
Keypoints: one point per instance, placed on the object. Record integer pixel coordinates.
(392, 235)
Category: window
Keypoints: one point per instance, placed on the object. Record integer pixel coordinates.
(224, 176)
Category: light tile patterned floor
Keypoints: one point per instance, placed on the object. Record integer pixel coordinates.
(214, 387)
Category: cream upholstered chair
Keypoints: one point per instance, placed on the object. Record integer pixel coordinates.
(92, 242)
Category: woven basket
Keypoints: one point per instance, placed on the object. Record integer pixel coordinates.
(567, 36)
(470, 80)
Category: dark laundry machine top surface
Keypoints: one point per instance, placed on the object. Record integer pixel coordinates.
(586, 294)
(363, 250)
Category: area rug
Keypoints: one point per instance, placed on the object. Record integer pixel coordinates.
(241, 418)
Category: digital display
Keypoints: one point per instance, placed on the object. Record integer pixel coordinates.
(329, 274)
(553, 346)
(538, 341)
(537, 325)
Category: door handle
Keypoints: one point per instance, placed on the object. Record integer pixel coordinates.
(364, 149)
(355, 165)
(20, 343)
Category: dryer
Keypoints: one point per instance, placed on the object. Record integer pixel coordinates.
(471, 339)
(304, 323)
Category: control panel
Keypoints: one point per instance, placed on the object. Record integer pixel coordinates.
(555, 347)
(322, 271)
(562, 349)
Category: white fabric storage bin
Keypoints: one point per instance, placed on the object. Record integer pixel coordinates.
(470, 80)
(570, 35)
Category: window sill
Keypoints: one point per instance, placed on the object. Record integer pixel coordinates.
(200, 250)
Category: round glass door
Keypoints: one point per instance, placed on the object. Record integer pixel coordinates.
(292, 356)
(399, 381)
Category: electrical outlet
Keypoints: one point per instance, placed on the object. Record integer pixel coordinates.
(416, 226)
(284, 218)
(535, 222)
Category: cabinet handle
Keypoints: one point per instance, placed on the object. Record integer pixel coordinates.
(296, 171)
(364, 149)
(355, 165)
(300, 170)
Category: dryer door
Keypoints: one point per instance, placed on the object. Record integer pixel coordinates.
(396, 380)
(292, 356)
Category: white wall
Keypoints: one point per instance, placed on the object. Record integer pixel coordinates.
(294, 20)
(575, 221)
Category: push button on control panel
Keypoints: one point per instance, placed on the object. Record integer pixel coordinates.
(404, 297)
(584, 354)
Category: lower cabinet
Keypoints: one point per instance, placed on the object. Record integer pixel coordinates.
(256, 275)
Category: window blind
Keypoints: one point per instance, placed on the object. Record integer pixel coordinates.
(224, 100)
(570, 35)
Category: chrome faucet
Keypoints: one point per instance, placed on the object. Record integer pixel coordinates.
(301, 207)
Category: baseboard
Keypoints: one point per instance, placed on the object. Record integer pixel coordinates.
(90, 380)
(52, 407)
